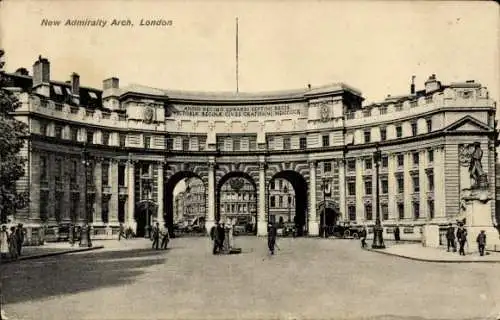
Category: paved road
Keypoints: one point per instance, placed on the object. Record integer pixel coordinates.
(308, 278)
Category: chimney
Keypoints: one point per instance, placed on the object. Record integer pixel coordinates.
(111, 83)
(75, 84)
(309, 86)
(432, 84)
(412, 87)
(41, 76)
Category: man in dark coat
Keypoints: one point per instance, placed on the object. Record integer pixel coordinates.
(481, 242)
(462, 238)
(271, 237)
(396, 234)
(450, 237)
(363, 237)
(219, 238)
(156, 236)
(214, 235)
(19, 238)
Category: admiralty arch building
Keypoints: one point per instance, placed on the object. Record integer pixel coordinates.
(130, 146)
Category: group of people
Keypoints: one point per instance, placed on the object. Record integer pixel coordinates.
(156, 234)
(11, 243)
(461, 236)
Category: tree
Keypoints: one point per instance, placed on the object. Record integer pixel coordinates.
(12, 138)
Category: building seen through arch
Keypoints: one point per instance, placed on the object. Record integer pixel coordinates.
(142, 141)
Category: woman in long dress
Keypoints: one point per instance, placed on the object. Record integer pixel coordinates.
(4, 243)
(13, 244)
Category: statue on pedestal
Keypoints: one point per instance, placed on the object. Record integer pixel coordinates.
(471, 156)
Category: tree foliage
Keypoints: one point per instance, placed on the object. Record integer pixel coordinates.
(12, 135)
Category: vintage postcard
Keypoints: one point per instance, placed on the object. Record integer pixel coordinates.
(249, 160)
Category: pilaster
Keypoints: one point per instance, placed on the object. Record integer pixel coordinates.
(408, 185)
(360, 204)
(439, 183)
(313, 227)
(423, 184)
(391, 181)
(97, 214)
(113, 201)
(342, 190)
(160, 213)
(211, 195)
(130, 219)
(261, 218)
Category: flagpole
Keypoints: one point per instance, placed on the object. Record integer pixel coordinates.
(237, 59)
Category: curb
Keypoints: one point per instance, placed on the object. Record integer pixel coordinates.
(429, 260)
(51, 254)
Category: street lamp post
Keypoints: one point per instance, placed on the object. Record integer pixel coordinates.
(323, 187)
(378, 239)
(85, 240)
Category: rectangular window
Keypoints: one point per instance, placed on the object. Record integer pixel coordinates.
(123, 139)
(43, 128)
(383, 134)
(73, 133)
(368, 212)
(58, 131)
(430, 178)
(416, 184)
(367, 136)
(430, 205)
(351, 165)
(429, 125)
(286, 143)
(326, 140)
(384, 208)
(236, 144)
(273, 202)
(58, 170)
(368, 164)
(327, 166)
(90, 136)
(430, 155)
(105, 174)
(385, 161)
(383, 110)
(415, 158)
(273, 185)
(185, 144)
(43, 168)
(416, 210)
(147, 142)
(401, 160)
(401, 211)
(105, 138)
(351, 188)
(352, 213)
(74, 172)
(170, 143)
(368, 187)
(121, 175)
(303, 143)
(401, 183)
(385, 186)
(399, 132)
(414, 129)
(253, 143)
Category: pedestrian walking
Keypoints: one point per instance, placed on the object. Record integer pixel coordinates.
(271, 237)
(481, 242)
(363, 237)
(450, 238)
(462, 239)
(397, 237)
(4, 243)
(13, 243)
(20, 238)
(156, 236)
(121, 233)
(165, 239)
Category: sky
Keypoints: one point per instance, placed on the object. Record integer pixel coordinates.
(373, 46)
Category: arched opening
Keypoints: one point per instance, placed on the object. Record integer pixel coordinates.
(329, 215)
(184, 202)
(144, 214)
(298, 215)
(236, 201)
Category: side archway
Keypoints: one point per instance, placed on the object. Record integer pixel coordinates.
(299, 184)
(144, 214)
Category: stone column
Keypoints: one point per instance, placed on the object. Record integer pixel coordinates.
(423, 185)
(439, 184)
(113, 201)
(262, 214)
(130, 219)
(211, 196)
(392, 187)
(360, 203)
(408, 186)
(97, 217)
(342, 190)
(313, 227)
(161, 210)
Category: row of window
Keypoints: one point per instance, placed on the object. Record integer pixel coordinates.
(384, 184)
(282, 202)
(399, 131)
(384, 210)
(384, 161)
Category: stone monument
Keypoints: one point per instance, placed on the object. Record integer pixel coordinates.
(476, 200)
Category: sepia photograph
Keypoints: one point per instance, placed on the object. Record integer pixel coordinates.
(274, 160)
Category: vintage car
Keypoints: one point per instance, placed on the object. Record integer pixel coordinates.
(346, 230)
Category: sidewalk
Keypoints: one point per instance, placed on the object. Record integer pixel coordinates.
(415, 251)
(53, 249)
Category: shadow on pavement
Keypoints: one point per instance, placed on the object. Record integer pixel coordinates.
(70, 274)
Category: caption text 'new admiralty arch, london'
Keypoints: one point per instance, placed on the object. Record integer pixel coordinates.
(139, 142)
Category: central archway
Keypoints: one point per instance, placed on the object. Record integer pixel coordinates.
(329, 214)
(236, 199)
(168, 196)
(299, 184)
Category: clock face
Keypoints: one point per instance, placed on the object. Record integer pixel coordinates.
(148, 114)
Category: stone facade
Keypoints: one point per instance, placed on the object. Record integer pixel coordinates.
(320, 140)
